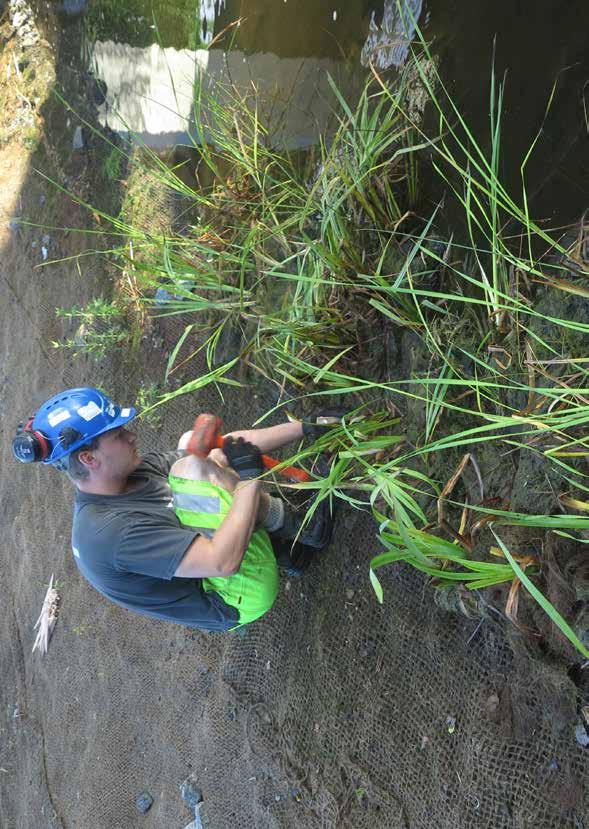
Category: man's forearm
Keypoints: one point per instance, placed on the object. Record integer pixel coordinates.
(230, 541)
(222, 554)
(272, 437)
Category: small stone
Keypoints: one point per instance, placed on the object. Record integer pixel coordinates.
(80, 336)
(30, 38)
(197, 822)
(190, 794)
(367, 648)
(144, 802)
(162, 296)
(492, 704)
(19, 19)
(350, 519)
(581, 735)
(78, 140)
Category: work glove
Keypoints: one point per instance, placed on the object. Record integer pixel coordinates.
(322, 422)
(244, 458)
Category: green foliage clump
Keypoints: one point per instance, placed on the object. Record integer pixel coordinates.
(101, 328)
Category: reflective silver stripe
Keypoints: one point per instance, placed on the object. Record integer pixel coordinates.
(197, 503)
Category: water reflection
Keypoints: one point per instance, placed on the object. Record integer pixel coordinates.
(209, 10)
(150, 91)
(388, 44)
(286, 51)
(288, 46)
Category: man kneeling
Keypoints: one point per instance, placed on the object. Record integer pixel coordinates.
(171, 535)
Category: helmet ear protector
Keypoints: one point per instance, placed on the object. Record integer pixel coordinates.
(30, 445)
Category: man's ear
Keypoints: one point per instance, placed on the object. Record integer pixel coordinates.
(89, 459)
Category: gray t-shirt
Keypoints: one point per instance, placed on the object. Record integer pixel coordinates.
(129, 547)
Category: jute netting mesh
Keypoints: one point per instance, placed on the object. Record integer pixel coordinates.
(331, 711)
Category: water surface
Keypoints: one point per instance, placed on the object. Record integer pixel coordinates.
(287, 48)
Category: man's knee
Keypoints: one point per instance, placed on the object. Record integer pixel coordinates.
(204, 469)
(191, 468)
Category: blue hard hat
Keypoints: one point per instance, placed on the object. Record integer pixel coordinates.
(85, 411)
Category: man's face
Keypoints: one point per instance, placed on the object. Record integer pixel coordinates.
(117, 453)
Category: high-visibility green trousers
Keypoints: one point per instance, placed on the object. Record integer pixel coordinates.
(253, 589)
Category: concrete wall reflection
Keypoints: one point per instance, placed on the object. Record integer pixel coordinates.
(149, 91)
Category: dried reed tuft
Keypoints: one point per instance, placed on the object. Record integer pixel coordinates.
(47, 618)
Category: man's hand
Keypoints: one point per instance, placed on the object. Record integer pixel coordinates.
(244, 458)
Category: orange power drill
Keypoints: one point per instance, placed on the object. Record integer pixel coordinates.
(206, 435)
